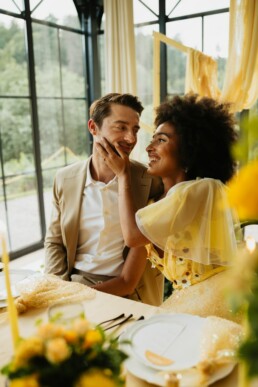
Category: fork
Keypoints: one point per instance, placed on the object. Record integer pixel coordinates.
(111, 319)
(120, 323)
(138, 319)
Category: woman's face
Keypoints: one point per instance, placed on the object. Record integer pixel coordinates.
(163, 152)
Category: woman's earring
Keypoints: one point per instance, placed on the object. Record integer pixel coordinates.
(186, 169)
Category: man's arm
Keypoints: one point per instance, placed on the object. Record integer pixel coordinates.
(55, 251)
(130, 276)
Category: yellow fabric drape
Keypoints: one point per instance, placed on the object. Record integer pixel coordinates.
(201, 74)
(240, 87)
(241, 80)
(120, 47)
(201, 69)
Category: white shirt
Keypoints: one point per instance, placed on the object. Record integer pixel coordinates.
(100, 244)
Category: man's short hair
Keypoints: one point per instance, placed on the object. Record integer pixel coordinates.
(101, 108)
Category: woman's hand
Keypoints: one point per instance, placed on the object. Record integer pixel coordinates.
(115, 159)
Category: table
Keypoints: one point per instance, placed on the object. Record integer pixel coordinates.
(100, 308)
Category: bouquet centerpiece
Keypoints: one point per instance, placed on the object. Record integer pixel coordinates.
(72, 356)
(243, 196)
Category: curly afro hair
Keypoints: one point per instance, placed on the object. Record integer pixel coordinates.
(206, 131)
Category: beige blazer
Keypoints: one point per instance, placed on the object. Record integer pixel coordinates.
(62, 234)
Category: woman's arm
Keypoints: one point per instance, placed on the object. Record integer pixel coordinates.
(120, 165)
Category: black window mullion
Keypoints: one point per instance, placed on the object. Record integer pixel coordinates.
(34, 114)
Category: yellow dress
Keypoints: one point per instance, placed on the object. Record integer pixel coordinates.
(180, 271)
(195, 228)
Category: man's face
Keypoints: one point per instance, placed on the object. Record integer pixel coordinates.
(121, 128)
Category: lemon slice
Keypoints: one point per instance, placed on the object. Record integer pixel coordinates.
(156, 359)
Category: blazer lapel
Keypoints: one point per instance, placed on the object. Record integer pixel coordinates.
(141, 183)
(73, 193)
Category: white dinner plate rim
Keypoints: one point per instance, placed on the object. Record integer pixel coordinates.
(152, 376)
(130, 330)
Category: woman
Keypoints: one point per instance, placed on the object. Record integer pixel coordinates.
(189, 231)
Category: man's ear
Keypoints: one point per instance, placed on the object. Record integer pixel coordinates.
(93, 127)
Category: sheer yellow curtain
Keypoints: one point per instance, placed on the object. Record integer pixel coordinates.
(201, 69)
(201, 74)
(120, 47)
(241, 81)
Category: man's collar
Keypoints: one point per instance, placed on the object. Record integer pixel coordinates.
(90, 180)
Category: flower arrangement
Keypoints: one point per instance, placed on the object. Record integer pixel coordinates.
(244, 298)
(76, 356)
(243, 191)
(243, 196)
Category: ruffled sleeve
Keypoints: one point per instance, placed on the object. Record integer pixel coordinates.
(193, 221)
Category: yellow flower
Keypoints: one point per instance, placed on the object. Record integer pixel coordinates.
(27, 381)
(243, 191)
(50, 330)
(70, 336)
(80, 326)
(95, 378)
(92, 337)
(26, 350)
(57, 350)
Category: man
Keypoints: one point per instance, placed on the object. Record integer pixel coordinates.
(84, 241)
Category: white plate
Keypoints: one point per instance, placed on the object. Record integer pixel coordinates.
(173, 336)
(16, 276)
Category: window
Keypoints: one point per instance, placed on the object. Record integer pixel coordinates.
(201, 24)
(43, 108)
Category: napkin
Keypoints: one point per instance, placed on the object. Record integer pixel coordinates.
(219, 342)
(45, 290)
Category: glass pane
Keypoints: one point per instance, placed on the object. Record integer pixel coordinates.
(73, 80)
(51, 127)
(176, 68)
(2, 203)
(13, 58)
(142, 14)
(188, 32)
(188, 7)
(19, 169)
(216, 37)
(23, 211)
(76, 133)
(16, 136)
(144, 68)
(46, 61)
(13, 6)
(153, 5)
(60, 12)
(34, 4)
